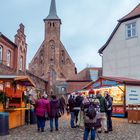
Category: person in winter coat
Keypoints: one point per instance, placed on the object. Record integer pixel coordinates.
(103, 111)
(71, 104)
(91, 123)
(42, 106)
(109, 100)
(54, 112)
(78, 103)
(62, 104)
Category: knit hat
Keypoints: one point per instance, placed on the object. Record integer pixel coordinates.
(91, 91)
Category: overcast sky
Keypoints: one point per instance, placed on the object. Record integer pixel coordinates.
(86, 24)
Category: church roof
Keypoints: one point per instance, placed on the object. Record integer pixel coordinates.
(52, 12)
(133, 14)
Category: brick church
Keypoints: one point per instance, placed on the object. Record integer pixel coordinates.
(52, 62)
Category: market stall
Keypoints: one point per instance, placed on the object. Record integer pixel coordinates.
(13, 88)
(124, 91)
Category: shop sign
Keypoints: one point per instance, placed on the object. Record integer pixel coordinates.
(118, 110)
(109, 83)
(97, 84)
(132, 95)
(105, 83)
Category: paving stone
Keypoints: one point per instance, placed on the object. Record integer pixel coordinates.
(122, 130)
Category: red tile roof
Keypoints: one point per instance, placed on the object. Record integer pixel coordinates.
(75, 86)
(133, 14)
(123, 80)
(7, 39)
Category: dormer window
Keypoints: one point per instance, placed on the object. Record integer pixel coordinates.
(131, 30)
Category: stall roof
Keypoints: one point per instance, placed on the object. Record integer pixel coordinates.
(24, 80)
(122, 80)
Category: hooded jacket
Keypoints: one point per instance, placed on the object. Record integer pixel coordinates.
(103, 103)
(54, 107)
(41, 106)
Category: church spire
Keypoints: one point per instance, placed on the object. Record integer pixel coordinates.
(52, 13)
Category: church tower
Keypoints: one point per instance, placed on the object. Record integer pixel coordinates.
(52, 62)
(52, 23)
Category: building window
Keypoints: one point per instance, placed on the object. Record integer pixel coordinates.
(1, 54)
(21, 63)
(8, 57)
(131, 30)
(52, 54)
(62, 57)
(53, 24)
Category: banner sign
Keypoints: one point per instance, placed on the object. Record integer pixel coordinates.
(132, 95)
(118, 110)
(103, 82)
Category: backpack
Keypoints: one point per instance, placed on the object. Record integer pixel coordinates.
(91, 118)
(91, 111)
(71, 101)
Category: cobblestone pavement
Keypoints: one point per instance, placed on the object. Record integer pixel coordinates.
(122, 130)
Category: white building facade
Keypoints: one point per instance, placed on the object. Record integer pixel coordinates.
(121, 53)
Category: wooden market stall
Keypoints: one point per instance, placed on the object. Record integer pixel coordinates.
(125, 91)
(13, 87)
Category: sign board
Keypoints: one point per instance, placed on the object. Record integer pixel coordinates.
(132, 95)
(105, 83)
(118, 110)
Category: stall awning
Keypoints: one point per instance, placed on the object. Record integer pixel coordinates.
(23, 80)
(111, 81)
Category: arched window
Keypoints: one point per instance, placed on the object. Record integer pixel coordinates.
(21, 63)
(62, 57)
(52, 54)
(8, 58)
(1, 54)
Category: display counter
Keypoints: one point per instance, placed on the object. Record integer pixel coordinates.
(16, 116)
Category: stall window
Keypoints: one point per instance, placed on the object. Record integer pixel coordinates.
(131, 30)
(8, 57)
(1, 87)
(1, 49)
(21, 63)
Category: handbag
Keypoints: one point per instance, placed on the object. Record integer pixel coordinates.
(58, 114)
(46, 115)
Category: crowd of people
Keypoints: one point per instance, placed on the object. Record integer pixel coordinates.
(92, 112)
(49, 109)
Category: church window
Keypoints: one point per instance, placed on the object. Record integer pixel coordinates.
(50, 24)
(41, 56)
(68, 61)
(53, 24)
(52, 76)
(62, 57)
(1, 49)
(8, 57)
(21, 63)
(52, 54)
